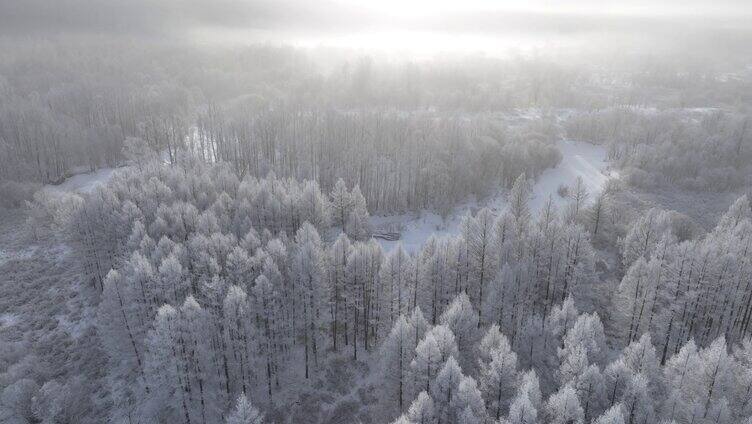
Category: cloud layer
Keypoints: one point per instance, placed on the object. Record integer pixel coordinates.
(724, 21)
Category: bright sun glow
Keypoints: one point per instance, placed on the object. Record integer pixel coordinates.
(419, 8)
(424, 28)
(425, 44)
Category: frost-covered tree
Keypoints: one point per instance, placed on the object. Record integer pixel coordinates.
(637, 402)
(579, 197)
(590, 387)
(244, 413)
(519, 197)
(644, 234)
(640, 358)
(587, 332)
(397, 354)
(358, 225)
(432, 352)
(526, 405)
(239, 335)
(680, 375)
(338, 256)
(421, 411)
(561, 319)
(573, 363)
(714, 380)
(461, 318)
(444, 390)
(479, 235)
(394, 276)
(419, 325)
(498, 373)
(564, 407)
(469, 400)
(342, 204)
(613, 415)
(308, 274)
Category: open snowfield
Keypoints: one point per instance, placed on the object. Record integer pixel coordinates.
(579, 159)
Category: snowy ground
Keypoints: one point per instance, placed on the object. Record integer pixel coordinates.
(578, 159)
(82, 183)
(46, 316)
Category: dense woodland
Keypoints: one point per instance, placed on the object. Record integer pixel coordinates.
(411, 135)
(227, 271)
(703, 150)
(216, 290)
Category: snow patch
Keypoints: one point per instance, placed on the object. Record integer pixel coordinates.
(416, 228)
(82, 183)
(8, 320)
(9, 255)
(74, 328)
(579, 159)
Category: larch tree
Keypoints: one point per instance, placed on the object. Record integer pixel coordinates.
(572, 363)
(498, 376)
(397, 354)
(308, 271)
(432, 351)
(239, 334)
(342, 205)
(714, 380)
(613, 415)
(444, 388)
(468, 398)
(358, 225)
(494, 302)
(165, 366)
(479, 234)
(637, 401)
(563, 407)
(338, 256)
(680, 373)
(421, 411)
(519, 198)
(526, 405)
(578, 196)
(394, 278)
(419, 326)
(266, 308)
(491, 341)
(460, 317)
(644, 234)
(590, 387)
(640, 358)
(586, 332)
(244, 413)
(617, 379)
(118, 323)
(560, 319)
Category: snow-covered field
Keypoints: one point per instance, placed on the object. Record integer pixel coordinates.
(579, 159)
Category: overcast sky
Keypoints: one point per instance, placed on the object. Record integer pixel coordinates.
(380, 23)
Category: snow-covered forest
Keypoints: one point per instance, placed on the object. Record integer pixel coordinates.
(228, 213)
